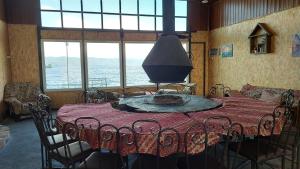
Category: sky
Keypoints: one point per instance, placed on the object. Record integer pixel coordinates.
(73, 20)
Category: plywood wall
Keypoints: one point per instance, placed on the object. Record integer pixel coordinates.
(4, 61)
(278, 69)
(24, 53)
(199, 49)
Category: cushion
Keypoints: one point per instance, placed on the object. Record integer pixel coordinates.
(271, 97)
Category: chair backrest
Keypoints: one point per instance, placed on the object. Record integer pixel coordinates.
(146, 130)
(41, 121)
(235, 134)
(287, 100)
(70, 132)
(220, 126)
(127, 142)
(219, 90)
(195, 142)
(88, 126)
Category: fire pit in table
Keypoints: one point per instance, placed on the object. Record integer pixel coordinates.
(169, 103)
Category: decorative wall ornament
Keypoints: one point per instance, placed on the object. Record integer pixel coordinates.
(260, 39)
(296, 45)
(214, 52)
(227, 50)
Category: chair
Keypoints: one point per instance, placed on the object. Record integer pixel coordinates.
(165, 140)
(219, 90)
(66, 147)
(100, 159)
(265, 146)
(48, 134)
(100, 96)
(199, 139)
(18, 96)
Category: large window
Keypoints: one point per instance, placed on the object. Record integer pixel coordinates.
(62, 65)
(143, 15)
(135, 54)
(103, 64)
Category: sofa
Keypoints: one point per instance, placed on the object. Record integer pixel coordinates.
(267, 94)
(18, 96)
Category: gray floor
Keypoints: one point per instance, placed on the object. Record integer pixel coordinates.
(23, 148)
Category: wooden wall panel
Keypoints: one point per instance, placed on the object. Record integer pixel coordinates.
(198, 16)
(276, 69)
(24, 53)
(228, 12)
(4, 61)
(22, 11)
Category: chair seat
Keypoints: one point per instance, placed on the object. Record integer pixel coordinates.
(75, 154)
(149, 162)
(265, 152)
(198, 162)
(291, 139)
(99, 160)
(57, 140)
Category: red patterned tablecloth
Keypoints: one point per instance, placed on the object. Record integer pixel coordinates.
(244, 110)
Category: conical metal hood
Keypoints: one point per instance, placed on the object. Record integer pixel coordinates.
(167, 62)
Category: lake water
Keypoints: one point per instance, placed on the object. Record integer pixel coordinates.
(62, 72)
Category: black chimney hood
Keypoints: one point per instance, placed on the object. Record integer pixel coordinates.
(167, 62)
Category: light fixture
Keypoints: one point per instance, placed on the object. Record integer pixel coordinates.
(204, 1)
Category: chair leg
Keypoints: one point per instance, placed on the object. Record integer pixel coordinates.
(254, 165)
(293, 158)
(283, 162)
(42, 156)
(298, 157)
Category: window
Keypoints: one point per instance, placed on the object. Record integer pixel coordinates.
(103, 64)
(135, 54)
(144, 15)
(62, 66)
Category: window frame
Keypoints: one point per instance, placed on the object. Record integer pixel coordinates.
(86, 64)
(44, 66)
(119, 14)
(124, 54)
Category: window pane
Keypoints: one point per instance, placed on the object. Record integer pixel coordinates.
(111, 6)
(129, 22)
(146, 23)
(91, 5)
(129, 6)
(158, 7)
(71, 5)
(135, 54)
(50, 4)
(92, 20)
(180, 24)
(111, 21)
(180, 8)
(62, 65)
(103, 64)
(147, 7)
(72, 20)
(159, 24)
(51, 19)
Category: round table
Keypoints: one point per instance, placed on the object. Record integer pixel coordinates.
(244, 110)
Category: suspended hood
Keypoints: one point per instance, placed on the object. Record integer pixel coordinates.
(167, 62)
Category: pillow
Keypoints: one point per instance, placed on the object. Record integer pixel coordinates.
(246, 89)
(270, 97)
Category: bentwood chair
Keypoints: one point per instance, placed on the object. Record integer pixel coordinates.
(100, 159)
(219, 90)
(199, 137)
(48, 134)
(165, 140)
(64, 148)
(265, 146)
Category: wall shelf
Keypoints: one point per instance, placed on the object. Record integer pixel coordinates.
(260, 40)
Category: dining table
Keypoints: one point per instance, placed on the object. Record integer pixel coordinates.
(240, 109)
